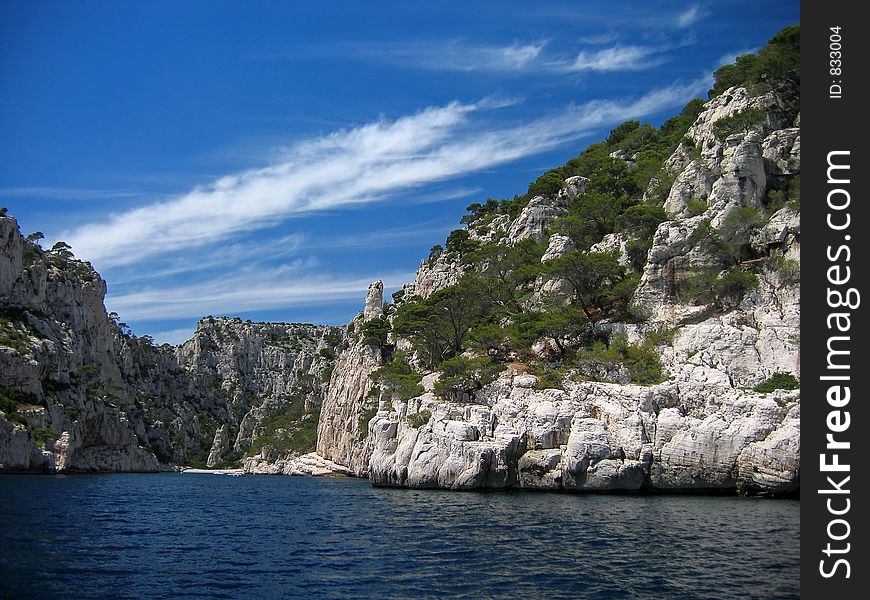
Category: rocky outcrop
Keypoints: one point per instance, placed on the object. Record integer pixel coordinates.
(260, 368)
(83, 395)
(729, 174)
(219, 447)
(557, 246)
(434, 275)
(697, 434)
(703, 429)
(348, 406)
(537, 216)
(374, 301)
(311, 465)
(615, 243)
(80, 394)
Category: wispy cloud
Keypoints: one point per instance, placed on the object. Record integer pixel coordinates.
(455, 55)
(449, 55)
(66, 193)
(689, 16)
(365, 164)
(393, 238)
(615, 58)
(220, 256)
(443, 196)
(245, 292)
(599, 39)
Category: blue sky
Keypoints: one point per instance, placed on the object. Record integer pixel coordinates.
(270, 159)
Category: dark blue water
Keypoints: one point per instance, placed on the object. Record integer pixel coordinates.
(171, 536)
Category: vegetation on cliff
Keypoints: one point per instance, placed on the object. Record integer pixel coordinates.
(491, 316)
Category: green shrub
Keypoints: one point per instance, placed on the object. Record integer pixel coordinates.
(622, 131)
(461, 375)
(289, 429)
(638, 251)
(778, 381)
(600, 283)
(15, 334)
(398, 378)
(44, 436)
(435, 252)
(741, 122)
(417, 420)
(12, 400)
(549, 377)
(640, 361)
(375, 331)
(788, 269)
(660, 336)
(460, 243)
(642, 220)
(696, 206)
(730, 243)
(557, 322)
(776, 64)
(789, 196)
(547, 184)
(638, 139)
(724, 292)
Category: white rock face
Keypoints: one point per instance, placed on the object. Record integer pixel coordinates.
(310, 465)
(443, 272)
(119, 403)
(219, 446)
(730, 174)
(782, 151)
(374, 301)
(742, 179)
(698, 433)
(695, 181)
(342, 430)
(556, 247)
(537, 216)
(615, 243)
(574, 186)
(10, 256)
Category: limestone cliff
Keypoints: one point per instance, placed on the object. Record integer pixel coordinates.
(342, 434)
(79, 393)
(704, 428)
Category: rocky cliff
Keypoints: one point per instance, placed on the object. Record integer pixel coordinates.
(80, 393)
(342, 434)
(713, 424)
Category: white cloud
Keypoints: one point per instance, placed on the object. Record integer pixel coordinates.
(174, 337)
(459, 56)
(689, 16)
(615, 58)
(65, 193)
(363, 164)
(392, 238)
(454, 55)
(248, 291)
(218, 256)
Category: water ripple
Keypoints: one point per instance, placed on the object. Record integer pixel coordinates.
(170, 536)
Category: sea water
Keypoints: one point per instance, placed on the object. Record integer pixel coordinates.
(183, 535)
